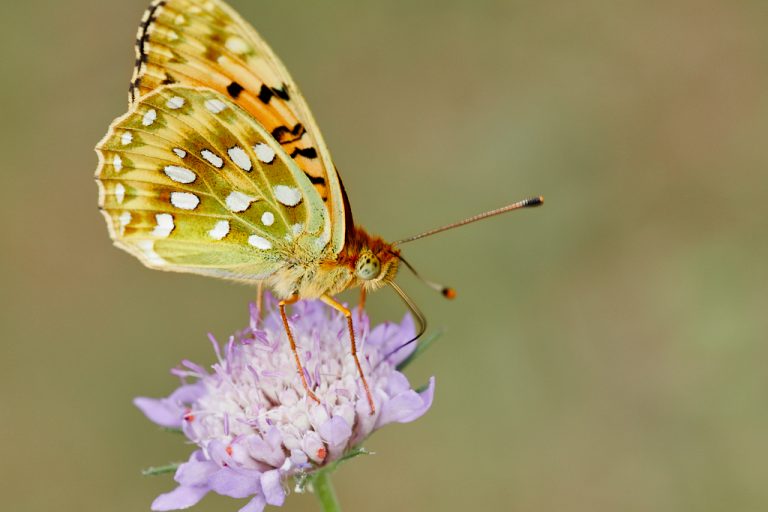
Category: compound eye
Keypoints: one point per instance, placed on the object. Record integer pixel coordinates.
(368, 267)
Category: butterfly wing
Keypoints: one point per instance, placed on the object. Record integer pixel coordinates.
(190, 182)
(206, 43)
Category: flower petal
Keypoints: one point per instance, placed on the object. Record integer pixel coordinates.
(236, 484)
(381, 335)
(168, 412)
(298, 458)
(313, 446)
(188, 393)
(217, 451)
(267, 449)
(406, 406)
(272, 488)
(196, 471)
(396, 384)
(406, 333)
(257, 504)
(181, 497)
(161, 411)
(389, 337)
(335, 431)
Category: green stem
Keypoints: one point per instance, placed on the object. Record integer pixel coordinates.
(325, 493)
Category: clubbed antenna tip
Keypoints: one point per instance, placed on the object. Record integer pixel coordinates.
(448, 293)
(534, 201)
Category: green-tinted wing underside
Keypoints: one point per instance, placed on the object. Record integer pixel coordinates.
(190, 182)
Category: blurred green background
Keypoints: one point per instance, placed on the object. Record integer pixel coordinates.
(606, 352)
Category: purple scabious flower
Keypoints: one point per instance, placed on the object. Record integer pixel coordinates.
(249, 416)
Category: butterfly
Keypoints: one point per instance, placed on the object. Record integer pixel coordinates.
(218, 169)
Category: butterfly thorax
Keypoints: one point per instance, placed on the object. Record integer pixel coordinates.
(309, 278)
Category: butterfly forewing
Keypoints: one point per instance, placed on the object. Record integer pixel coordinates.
(206, 43)
(191, 182)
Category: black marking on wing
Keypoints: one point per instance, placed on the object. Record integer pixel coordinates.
(281, 132)
(282, 92)
(349, 228)
(316, 180)
(168, 80)
(305, 152)
(266, 93)
(234, 89)
(141, 42)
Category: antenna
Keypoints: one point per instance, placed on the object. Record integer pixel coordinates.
(525, 203)
(446, 291)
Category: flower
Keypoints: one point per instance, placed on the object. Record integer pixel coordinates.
(250, 418)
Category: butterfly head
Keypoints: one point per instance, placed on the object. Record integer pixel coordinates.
(374, 268)
(368, 266)
(374, 261)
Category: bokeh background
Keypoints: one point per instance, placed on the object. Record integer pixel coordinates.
(606, 352)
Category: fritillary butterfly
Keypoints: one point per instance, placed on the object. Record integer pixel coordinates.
(219, 169)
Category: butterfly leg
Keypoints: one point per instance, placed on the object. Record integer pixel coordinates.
(347, 313)
(361, 304)
(259, 300)
(299, 368)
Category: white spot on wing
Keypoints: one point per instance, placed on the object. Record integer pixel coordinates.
(164, 225)
(289, 196)
(175, 103)
(180, 152)
(172, 36)
(184, 200)
(238, 202)
(236, 45)
(259, 242)
(124, 219)
(119, 193)
(179, 174)
(117, 163)
(213, 159)
(215, 106)
(240, 157)
(267, 218)
(149, 117)
(180, 20)
(264, 153)
(126, 138)
(147, 247)
(220, 230)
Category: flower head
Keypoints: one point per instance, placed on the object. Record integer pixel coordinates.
(250, 418)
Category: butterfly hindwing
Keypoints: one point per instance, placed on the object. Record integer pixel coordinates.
(191, 182)
(206, 43)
